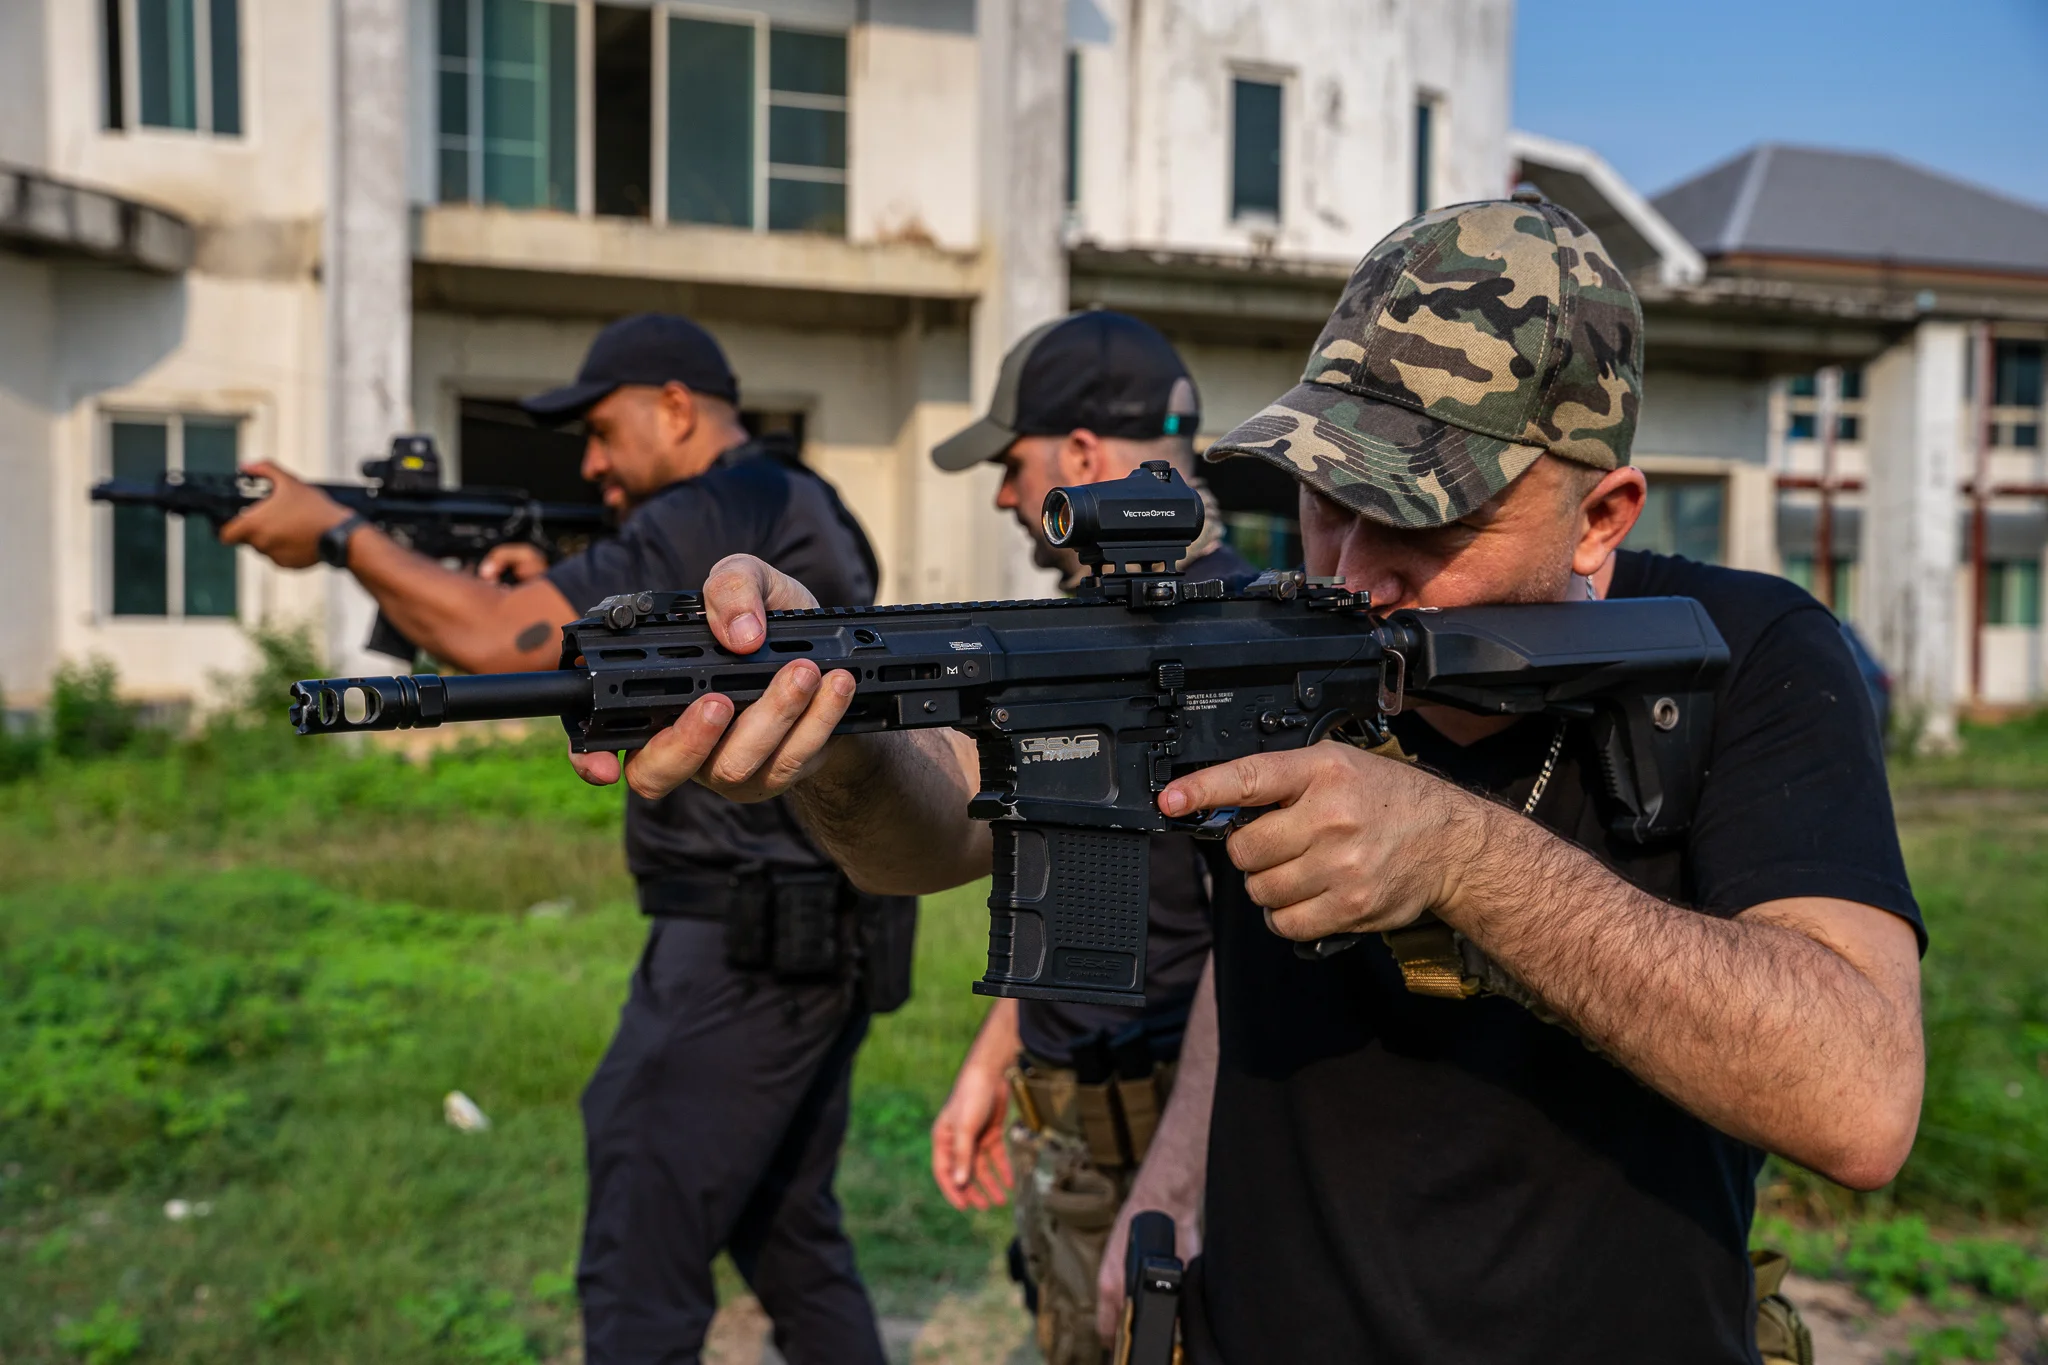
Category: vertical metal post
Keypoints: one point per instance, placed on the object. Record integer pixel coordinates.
(1828, 391)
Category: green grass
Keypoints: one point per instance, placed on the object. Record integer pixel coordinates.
(242, 972)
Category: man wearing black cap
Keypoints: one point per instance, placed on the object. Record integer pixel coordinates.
(715, 1120)
(1083, 399)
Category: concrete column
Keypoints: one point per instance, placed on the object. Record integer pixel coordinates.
(367, 273)
(1910, 530)
(1023, 204)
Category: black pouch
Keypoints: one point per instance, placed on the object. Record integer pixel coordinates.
(749, 924)
(805, 941)
(888, 943)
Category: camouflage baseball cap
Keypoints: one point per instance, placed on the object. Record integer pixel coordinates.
(1470, 341)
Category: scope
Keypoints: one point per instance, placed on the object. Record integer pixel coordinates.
(413, 466)
(1149, 517)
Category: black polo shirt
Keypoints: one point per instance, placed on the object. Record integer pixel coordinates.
(1399, 1178)
(749, 502)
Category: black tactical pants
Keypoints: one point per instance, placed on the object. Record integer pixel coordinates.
(714, 1123)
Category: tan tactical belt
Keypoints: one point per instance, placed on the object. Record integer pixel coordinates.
(1116, 1119)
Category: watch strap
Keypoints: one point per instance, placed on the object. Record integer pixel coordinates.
(334, 540)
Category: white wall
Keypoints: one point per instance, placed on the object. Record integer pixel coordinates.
(28, 627)
(1157, 114)
(275, 170)
(1709, 416)
(912, 156)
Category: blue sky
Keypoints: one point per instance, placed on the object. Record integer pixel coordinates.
(1665, 88)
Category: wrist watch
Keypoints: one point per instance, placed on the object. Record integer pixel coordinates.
(334, 540)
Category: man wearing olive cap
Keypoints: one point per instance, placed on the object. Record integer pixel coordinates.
(1399, 1170)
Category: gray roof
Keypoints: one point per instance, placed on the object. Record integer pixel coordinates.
(1854, 206)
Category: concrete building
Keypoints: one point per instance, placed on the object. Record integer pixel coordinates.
(287, 230)
(1818, 328)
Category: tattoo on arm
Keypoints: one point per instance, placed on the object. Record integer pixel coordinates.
(533, 637)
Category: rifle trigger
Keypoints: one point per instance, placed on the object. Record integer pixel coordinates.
(1325, 947)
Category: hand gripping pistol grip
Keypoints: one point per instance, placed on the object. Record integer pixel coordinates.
(1067, 914)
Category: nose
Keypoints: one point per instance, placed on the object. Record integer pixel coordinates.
(594, 462)
(1370, 561)
(1006, 494)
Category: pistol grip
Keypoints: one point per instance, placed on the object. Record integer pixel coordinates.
(1067, 914)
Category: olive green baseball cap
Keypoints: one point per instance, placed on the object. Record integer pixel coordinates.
(1470, 342)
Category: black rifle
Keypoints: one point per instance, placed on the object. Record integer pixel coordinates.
(1083, 709)
(1152, 1283)
(405, 499)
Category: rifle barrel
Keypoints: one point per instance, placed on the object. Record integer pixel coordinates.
(333, 706)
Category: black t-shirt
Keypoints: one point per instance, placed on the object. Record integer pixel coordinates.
(1394, 1177)
(749, 502)
(1177, 925)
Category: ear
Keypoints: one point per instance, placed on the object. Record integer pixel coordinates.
(1083, 457)
(1606, 515)
(679, 414)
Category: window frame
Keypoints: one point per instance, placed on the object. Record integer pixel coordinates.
(1237, 73)
(1852, 412)
(173, 419)
(121, 110)
(763, 169)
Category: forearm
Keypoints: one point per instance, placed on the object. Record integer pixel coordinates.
(891, 809)
(1178, 1163)
(997, 1041)
(456, 617)
(1756, 1024)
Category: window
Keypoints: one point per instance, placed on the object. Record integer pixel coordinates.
(174, 64)
(507, 95)
(2016, 374)
(157, 572)
(2024, 436)
(715, 172)
(1255, 149)
(2012, 592)
(622, 110)
(1425, 153)
(1682, 517)
(1800, 569)
(1802, 406)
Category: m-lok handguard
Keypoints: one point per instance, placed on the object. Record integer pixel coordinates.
(1083, 709)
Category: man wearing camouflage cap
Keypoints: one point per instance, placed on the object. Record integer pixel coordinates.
(1396, 1171)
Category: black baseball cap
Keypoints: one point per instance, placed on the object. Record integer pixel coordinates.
(647, 348)
(1107, 372)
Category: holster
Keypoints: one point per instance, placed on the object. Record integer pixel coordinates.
(793, 924)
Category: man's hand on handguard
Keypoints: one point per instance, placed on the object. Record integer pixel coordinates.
(776, 740)
(1339, 853)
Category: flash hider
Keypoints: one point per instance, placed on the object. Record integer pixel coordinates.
(1147, 518)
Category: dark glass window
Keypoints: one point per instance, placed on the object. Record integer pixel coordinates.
(1802, 386)
(711, 122)
(2016, 366)
(1801, 426)
(1425, 149)
(2026, 435)
(142, 453)
(1848, 427)
(224, 45)
(2012, 592)
(506, 97)
(209, 565)
(806, 131)
(158, 569)
(1800, 569)
(1852, 381)
(1255, 149)
(622, 140)
(1682, 517)
(185, 60)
